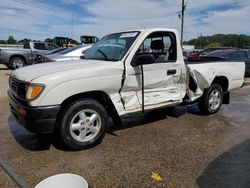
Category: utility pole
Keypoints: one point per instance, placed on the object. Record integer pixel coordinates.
(182, 19)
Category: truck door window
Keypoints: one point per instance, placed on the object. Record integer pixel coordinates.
(162, 45)
(39, 46)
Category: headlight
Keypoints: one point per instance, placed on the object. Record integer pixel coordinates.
(33, 91)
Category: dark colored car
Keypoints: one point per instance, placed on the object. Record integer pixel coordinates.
(198, 56)
(234, 55)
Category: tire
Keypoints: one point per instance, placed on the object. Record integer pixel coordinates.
(17, 62)
(82, 124)
(211, 100)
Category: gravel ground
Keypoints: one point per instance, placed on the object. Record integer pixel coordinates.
(185, 148)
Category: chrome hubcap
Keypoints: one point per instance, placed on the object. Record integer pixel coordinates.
(85, 125)
(214, 100)
(18, 63)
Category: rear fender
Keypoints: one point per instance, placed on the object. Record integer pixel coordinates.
(201, 80)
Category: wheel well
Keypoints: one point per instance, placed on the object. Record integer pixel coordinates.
(192, 85)
(102, 98)
(222, 81)
(23, 58)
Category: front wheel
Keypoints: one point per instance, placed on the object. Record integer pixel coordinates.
(17, 62)
(82, 124)
(211, 100)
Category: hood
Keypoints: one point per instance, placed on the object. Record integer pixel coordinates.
(77, 68)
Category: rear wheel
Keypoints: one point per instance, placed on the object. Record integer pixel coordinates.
(211, 100)
(17, 62)
(82, 124)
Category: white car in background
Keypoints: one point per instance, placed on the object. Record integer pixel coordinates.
(73, 53)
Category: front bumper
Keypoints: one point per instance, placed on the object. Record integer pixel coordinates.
(35, 119)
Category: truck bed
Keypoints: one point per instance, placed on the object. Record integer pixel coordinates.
(204, 72)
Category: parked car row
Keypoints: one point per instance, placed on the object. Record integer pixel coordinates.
(227, 54)
(18, 57)
(39, 52)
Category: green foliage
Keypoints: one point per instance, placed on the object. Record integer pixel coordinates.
(25, 40)
(212, 45)
(49, 40)
(2, 42)
(231, 40)
(11, 40)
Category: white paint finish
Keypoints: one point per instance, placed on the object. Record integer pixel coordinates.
(86, 76)
(233, 71)
(63, 80)
(204, 74)
(159, 87)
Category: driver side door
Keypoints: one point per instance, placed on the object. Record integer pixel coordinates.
(158, 83)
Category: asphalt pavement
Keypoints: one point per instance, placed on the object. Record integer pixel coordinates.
(185, 148)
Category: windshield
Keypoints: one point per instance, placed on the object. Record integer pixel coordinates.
(112, 47)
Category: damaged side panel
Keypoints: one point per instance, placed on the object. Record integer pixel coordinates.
(160, 89)
(201, 78)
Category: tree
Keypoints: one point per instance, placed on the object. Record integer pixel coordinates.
(25, 40)
(49, 40)
(220, 40)
(2, 42)
(11, 40)
(212, 45)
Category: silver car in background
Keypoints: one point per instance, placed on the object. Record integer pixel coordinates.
(66, 54)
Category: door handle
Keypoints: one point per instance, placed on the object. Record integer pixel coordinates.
(171, 72)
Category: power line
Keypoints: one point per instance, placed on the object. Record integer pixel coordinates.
(39, 6)
(44, 7)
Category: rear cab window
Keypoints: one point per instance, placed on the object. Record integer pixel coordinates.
(26, 45)
(39, 46)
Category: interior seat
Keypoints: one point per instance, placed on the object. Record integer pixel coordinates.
(157, 47)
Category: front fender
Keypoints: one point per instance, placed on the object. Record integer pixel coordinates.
(56, 91)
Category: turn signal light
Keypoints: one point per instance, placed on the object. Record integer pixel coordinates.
(33, 91)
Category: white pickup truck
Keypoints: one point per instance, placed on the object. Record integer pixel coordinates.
(123, 73)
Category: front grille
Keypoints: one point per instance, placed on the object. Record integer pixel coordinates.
(14, 84)
(18, 87)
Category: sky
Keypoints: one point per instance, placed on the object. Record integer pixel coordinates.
(40, 19)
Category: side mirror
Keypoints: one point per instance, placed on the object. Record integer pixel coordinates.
(82, 57)
(143, 59)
